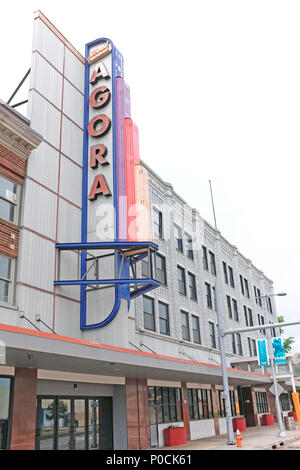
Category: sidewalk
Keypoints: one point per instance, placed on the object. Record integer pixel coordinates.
(254, 438)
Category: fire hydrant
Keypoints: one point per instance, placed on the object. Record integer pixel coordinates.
(239, 438)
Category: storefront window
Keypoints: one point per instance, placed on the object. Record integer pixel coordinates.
(165, 405)
(5, 383)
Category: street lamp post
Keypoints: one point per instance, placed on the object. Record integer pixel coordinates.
(221, 334)
(281, 432)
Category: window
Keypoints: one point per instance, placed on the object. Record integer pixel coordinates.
(254, 347)
(157, 224)
(259, 297)
(196, 330)
(261, 321)
(231, 278)
(246, 315)
(200, 404)
(163, 311)
(145, 267)
(5, 279)
(235, 310)
(8, 199)
(189, 246)
(242, 284)
(212, 335)
(212, 263)
(204, 257)
(250, 346)
(233, 344)
(250, 317)
(185, 326)
(208, 295)
(160, 269)
(229, 306)
(148, 309)
(270, 305)
(181, 280)
(255, 294)
(239, 344)
(225, 272)
(165, 405)
(247, 288)
(192, 286)
(261, 402)
(178, 239)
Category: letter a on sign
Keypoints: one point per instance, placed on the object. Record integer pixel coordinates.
(100, 186)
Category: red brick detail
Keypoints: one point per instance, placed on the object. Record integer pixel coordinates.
(24, 409)
(185, 410)
(11, 165)
(215, 409)
(9, 238)
(138, 424)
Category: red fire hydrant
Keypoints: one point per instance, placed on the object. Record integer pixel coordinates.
(239, 438)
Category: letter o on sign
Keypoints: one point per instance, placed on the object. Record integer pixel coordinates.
(105, 125)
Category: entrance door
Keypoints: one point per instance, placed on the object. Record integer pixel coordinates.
(68, 423)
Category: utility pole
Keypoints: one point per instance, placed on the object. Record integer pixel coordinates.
(225, 378)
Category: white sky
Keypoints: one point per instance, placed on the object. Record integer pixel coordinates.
(215, 91)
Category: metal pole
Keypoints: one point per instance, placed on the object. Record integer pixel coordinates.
(281, 432)
(230, 433)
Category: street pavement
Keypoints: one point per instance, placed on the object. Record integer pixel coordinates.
(254, 438)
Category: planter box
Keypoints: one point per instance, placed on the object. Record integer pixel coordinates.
(239, 424)
(293, 414)
(174, 436)
(267, 420)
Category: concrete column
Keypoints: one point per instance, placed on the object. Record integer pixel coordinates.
(185, 410)
(24, 409)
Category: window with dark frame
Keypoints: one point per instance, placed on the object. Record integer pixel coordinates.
(8, 198)
(163, 312)
(233, 344)
(239, 344)
(157, 223)
(225, 272)
(6, 281)
(229, 309)
(192, 286)
(189, 246)
(178, 239)
(231, 278)
(200, 404)
(247, 288)
(246, 316)
(196, 330)
(212, 335)
(242, 284)
(185, 325)
(160, 269)
(212, 263)
(148, 310)
(165, 405)
(204, 257)
(208, 295)
(181, 280)
(235, 310)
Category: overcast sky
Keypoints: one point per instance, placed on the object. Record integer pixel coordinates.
(215, 91)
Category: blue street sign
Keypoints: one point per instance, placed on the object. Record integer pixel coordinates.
(263, 356)
(278, 350)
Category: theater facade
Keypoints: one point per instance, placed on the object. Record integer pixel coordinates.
(108, 326)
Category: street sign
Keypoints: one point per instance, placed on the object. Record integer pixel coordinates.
(263, 356)
(278, 350)
(280, 389)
